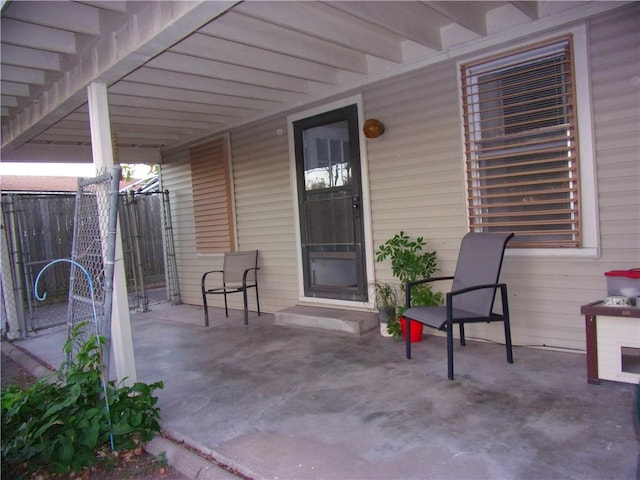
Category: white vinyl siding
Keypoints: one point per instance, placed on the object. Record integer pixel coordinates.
(414, 168)
(176, 178)
(615, 64)
(548, 291)
(264, 209)
(417, 184)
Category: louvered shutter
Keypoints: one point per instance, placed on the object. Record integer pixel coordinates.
(212, 199)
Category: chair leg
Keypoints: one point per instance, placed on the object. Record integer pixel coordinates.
(226, 308)
(246, 307)
(450, 350)
(507, 323)
(408, 339)
(257, 299)
(206, 309)
(463, 341)
(507, 339)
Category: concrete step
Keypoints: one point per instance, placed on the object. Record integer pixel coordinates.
(334, 320)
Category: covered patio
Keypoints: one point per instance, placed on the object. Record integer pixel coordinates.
(291, 403)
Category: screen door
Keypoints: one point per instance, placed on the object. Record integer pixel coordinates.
(327, 152)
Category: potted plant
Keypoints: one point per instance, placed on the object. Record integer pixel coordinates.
(386, 301)
(409, 262)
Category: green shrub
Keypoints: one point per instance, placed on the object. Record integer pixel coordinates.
(409, 263)
(60, 426)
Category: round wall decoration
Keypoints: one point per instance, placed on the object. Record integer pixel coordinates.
(373, 128)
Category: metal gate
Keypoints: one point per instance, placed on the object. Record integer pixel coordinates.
(150, 261)
(38, 228)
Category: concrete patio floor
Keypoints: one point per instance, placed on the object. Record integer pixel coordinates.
(279, 402)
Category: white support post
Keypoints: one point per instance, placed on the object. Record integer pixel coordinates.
(102, 149)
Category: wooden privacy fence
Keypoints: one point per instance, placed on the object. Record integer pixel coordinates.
(38, 228)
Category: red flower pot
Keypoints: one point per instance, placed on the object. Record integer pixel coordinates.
(416, 330)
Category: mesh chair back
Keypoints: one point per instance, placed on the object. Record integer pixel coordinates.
(479, 263)
(235, 265)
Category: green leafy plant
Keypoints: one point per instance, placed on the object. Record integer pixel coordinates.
(386, 300)
(410, 262)
(61, 421)
(422, 295)
(425, 295)
(386, 294)
(393, 326)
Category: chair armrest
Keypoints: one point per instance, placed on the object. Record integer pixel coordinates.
(420, 282)
(476, 287)
(204, 277)
(246, 272)
(426, 280)
(495, 286)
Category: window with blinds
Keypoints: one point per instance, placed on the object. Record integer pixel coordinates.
(521, 146)
(212, 197)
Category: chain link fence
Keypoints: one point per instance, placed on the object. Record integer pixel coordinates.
(38, 229)
(93, 257)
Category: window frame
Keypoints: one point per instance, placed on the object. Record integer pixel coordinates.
(588, 187)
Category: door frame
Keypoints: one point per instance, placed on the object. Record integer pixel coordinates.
(365, 202)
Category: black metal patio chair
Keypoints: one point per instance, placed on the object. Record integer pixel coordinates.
(472, 294)
(238, 274)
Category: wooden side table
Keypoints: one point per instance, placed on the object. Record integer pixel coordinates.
(591, 312)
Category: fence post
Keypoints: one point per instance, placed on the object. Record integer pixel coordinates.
(110, 258)
(13, 307)
(11, 269)
(137, 256)
(170, 269)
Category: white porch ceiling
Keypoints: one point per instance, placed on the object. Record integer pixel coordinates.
(178, 71)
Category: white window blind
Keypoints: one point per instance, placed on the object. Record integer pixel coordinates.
(521, 145)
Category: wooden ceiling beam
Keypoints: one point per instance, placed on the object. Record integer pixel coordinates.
(411, 20)
(29, 35)
(69, 16)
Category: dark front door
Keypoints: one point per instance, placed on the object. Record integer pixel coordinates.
(327, 152)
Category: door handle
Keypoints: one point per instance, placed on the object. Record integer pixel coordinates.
(356, 201)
